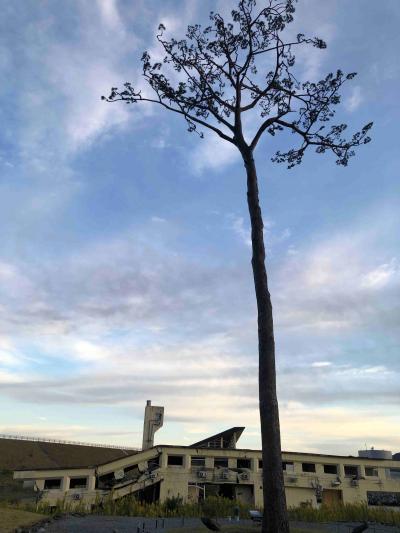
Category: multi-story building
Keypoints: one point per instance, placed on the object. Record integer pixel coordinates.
(215, 466)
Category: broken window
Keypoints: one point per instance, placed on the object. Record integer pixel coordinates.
(308, 467)
(331, 469)
(198, 461)
(78, 483)
(221, 462)
(52, 484)
(154, 463)
(388, 499)
(371, 471)
(175, 460)
(288, 466)
(351, 471)
(244, 463)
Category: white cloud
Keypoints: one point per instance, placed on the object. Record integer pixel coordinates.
(243, 232)
(355, 99)
(110, 15)
(213, 153)
(321, 364)
(272, 236)
(334, 284)
(382, 275)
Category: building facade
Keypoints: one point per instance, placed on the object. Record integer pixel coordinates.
(215, 466)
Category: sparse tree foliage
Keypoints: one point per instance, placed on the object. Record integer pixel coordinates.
(215, 78)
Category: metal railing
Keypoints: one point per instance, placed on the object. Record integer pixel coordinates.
(61, 441)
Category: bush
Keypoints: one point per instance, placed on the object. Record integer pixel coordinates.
(214, 506)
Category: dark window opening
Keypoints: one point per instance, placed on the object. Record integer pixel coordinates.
(244, 463)
(388, 499)
(154, 463)
(330, 469)
(370, 471)
(52, 484)
(288, 466)
(78, 483)
(149, 494)
(260, 463)
(308, 467)
(394, 473)
(175, 460)
(156, 460)
(132, 472)
(105, 481)
(351, 471)
(198, 461)
(221, 462)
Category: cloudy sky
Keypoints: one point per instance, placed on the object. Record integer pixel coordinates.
(125, 260)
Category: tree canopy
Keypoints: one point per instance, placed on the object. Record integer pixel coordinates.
(220, 72)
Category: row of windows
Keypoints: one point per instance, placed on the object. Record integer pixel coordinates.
(197, 461)
(74, 483)
(287, 466)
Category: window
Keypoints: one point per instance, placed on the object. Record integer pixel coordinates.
(52, 484)
(260, 463)
(351, 471)
(388, 499)
(221, 462)
(198, 461)
(288, 466)
(244, 463)
(308, 467)
(78, 483)
(330, 469)
(394, 473)
(371, 471)
(175, 460)
(154, 463)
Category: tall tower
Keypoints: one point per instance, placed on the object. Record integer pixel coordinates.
(153, 421)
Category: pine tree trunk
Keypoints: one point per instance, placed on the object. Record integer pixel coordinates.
(275, 514)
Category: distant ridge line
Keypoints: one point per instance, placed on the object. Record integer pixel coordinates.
(61, 441)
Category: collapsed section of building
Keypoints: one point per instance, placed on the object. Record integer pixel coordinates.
(216, 466)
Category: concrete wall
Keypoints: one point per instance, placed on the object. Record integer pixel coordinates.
(301, 486)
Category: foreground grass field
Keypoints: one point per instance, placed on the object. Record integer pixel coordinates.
(13, 518)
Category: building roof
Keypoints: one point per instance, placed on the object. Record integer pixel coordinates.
(225, 439)
(16, 454)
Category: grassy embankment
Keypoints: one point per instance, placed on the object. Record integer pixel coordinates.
(12, 518)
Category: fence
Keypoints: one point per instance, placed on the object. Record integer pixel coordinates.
(61, 441)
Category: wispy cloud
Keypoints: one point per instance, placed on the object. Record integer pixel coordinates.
(212, 153)
(355, 99)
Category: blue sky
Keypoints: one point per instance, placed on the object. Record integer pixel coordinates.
(125, 260)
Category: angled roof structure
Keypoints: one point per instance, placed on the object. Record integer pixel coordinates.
(225, 439)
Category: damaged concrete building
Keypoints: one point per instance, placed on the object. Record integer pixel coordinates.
(216, 466)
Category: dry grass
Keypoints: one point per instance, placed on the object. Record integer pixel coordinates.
(13, 518)
(27, 455)
(349, 512)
